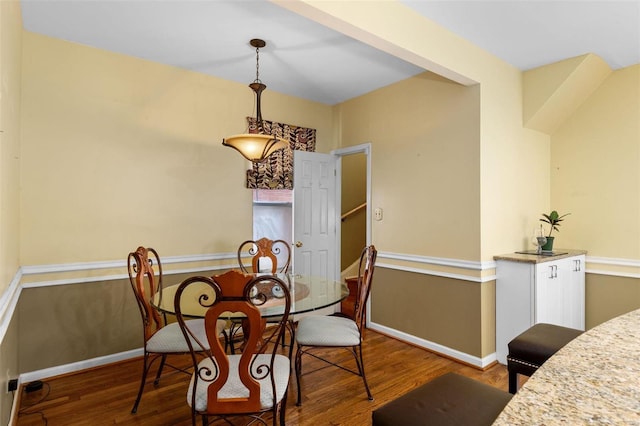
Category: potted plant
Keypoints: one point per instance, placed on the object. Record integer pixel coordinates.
(553, 219)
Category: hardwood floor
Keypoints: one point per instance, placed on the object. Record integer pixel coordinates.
(104, 395)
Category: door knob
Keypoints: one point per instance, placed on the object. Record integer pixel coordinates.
(298, 243)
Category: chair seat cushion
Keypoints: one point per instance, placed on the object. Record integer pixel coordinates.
(450, 399)
(319, 330)
(538, 343)
(233, 388)
(169, 339)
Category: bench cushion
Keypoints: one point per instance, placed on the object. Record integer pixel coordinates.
(450, 399)
(538, 343)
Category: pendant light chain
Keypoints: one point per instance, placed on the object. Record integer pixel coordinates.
(257, 80)
(256, 147)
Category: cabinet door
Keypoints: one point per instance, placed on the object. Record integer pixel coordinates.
(549, 300)
(560, 292)
(575, 293)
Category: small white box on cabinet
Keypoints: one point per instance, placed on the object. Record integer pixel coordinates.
(531, 289)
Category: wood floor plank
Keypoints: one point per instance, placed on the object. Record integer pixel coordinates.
(332, 397)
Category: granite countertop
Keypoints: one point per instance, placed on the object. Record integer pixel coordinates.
(595, 379)
(535, 258)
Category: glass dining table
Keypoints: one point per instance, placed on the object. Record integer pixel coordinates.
(308, 293)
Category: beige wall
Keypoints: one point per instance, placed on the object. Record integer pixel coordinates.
(118, 151)
(609, 296)
(76, 322)
(436, 309)
(425, 164)
(10, 74)
(595, 175)
(425, 134)
(595, 170)
(106, 321)
(553, 92)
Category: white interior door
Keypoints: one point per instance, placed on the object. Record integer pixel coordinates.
(315, 215)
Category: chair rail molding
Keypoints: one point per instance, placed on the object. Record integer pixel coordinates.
(628, 268)
(479, 267)
(222, 261)
(485, 270)
(8, 303)
(86, 266)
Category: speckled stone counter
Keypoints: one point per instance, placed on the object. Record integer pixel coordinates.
(534, 258)
(593, 380)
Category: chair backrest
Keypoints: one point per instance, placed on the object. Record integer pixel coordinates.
(277, 251)
(365, 277)
(145, 276)
(243, 294)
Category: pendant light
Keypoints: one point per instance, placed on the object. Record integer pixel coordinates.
(256, 147)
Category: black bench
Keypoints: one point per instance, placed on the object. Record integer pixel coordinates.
(450, 399)
(529, 350)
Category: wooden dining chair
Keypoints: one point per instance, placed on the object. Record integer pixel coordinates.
(252, 382)
(333, 331)
(160, 338)
(266, 256)
(270, 256)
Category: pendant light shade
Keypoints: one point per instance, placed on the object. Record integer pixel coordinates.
(256, 147)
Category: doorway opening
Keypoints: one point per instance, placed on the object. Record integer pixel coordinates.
(353, 218)
(272, 215)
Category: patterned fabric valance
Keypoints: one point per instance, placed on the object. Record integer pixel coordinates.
(276, 172)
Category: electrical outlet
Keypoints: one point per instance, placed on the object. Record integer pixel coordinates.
(12, 384)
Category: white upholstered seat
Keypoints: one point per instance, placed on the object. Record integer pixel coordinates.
(233, 388)
(327, 331)
(338, 331)
(169, 339)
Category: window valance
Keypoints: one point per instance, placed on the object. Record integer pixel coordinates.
(276, 172)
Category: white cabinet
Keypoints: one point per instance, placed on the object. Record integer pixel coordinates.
(531, 289)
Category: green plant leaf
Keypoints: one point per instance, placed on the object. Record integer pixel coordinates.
(553, 219)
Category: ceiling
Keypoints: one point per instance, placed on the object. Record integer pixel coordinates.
(305, 59)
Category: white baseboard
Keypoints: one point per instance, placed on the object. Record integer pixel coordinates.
(78, 366)
(435, 347)
(13, 416)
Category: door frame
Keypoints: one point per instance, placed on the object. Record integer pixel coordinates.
(364, 148)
